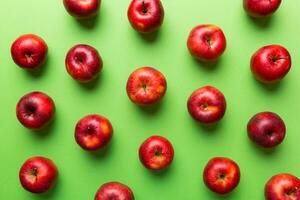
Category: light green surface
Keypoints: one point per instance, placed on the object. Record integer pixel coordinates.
(123, 50)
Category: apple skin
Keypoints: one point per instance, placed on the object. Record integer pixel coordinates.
(29, 51)
(207, 105)
(146, 86)
(38, 174)
(114, 190)
(283, 187)
(35, 110)
(82, 9)
(261, 8)
(145, 16)
(270, 63)
(206, 42)
(83, 63)
(156, 153)
(93, 132)
(266, 129)
(221, 175)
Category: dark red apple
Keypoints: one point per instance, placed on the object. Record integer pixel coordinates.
(83, 63)
(82, 9)
(206, 42)
(271, 63)
(221, 175)
(29, 51)
(266, 129)
(261, 8)
(38, 174)
(145, 16)
(146, 86)
(35, 110)
(114, 191)
(283, 187)
(156, 153)
(93, 132)
(207, 105)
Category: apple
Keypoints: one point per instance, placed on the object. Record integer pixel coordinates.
(93, 132)
(146, 16)
(38, 174)
(283, 187)
(114, 191)
(270, 63)
(261, 8)
(83, 63)
(82, 9)
(29, 51)
(221, 175)
(266, 129)
(35, 110)
(207, 105)
(206, 42)
(146, 86)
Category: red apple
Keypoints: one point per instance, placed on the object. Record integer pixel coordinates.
(207, 105)
(266, 129)
(83, 63)
(93, 132)
(156, 153)
(38, 174)
(261, 8)
(270, 63)
(145, 16)
(29, 51)
(114, 191)
(221, 175)
(35, 110)
(283, 187)
(206, 42)
(146, 86)
(82, 9)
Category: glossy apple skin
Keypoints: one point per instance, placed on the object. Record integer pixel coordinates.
(35, 110)
(114, 191)
(271, 63)
(283, 187)
(145, 16)
(83, 63)
(261, 8)
(146, 86)
(266, 129)
(156, 153)
(38, 174)
(29, 51)
(206, 42)
(93, 132)
(82, 9)
(207, 105)
(221, 175)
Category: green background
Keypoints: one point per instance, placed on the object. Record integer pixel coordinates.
(123, 50)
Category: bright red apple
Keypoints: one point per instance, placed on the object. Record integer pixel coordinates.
(83, 63)
(261, 8)
(82, 9)
(146, 86)
(38, 174)
(93, 132)
(206, 42)
(270, 63)
(114, 191)
(266, 129)
(29, 51)
(221, 175)
(145, 16)
(35, 110)
(283, 187)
